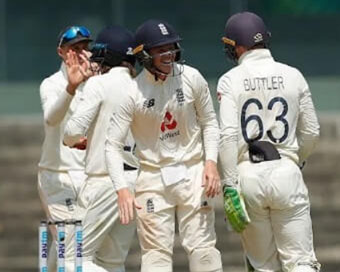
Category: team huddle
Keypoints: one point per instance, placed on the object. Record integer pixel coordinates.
(126, 151)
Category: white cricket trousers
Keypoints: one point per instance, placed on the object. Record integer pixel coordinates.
(58, 193)
(156, 221)
(279, 236)
(106, 241)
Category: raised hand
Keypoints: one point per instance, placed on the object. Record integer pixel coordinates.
(78, 69)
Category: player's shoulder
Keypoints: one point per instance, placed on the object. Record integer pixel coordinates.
(288, 69)
(53, 77)
(234, 71)
(54, 81)
(112, 78)
(122, 80)
(189, 71)
(192, 76)
(119, 72)
(93, 81)
(225, 80)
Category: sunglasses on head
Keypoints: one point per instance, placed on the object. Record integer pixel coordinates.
(73, 32)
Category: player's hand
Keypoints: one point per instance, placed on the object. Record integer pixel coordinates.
(78, 69)
(211, 179)
(74, 75)
(92, 68)
(126, 204)
(87, 68)
(81, 144)
(235, 210)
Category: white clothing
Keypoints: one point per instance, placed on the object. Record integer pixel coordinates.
(61, 169)
(185, 201)
(262, 99)
(168, 120)
(58, 192)
(280, 233)
(265, 100)
(102, 94)
(58, 105)
(106, 242)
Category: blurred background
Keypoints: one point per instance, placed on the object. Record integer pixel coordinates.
(305, 34)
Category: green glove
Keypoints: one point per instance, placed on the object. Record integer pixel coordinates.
(235, 209)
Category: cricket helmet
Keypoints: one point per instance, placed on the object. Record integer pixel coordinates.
(246, 29)
(113, 45)
(154, 33)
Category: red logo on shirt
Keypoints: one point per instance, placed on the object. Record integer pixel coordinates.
(169, 122)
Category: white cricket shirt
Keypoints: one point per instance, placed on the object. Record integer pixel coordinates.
(101, 96)
(58, 105)
(169, 121)
(265, 100)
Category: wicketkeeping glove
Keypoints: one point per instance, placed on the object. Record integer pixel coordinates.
(235, 209)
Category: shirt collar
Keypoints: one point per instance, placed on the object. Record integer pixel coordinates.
(254, 55)
(151, 77)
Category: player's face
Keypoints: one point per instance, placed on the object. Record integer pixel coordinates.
(163, 57)
(77, 48)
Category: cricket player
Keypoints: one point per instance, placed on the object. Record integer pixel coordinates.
(175, 128)
(98, 200)
(268, 129)
(61, 169)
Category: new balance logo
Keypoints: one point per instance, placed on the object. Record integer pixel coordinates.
(149, 103)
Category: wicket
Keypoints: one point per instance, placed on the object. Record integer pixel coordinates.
(43, 244)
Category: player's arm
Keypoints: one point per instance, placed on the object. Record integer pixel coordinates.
(229, 126)
(228, 155)
(115, 138)
(129, 151)
(207, 119)
(54, 103)
(78, 125)
(308, 129)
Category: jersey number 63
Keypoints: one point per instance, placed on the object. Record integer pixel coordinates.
(253, 117)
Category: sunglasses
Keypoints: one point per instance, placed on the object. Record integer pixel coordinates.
(72, 33)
